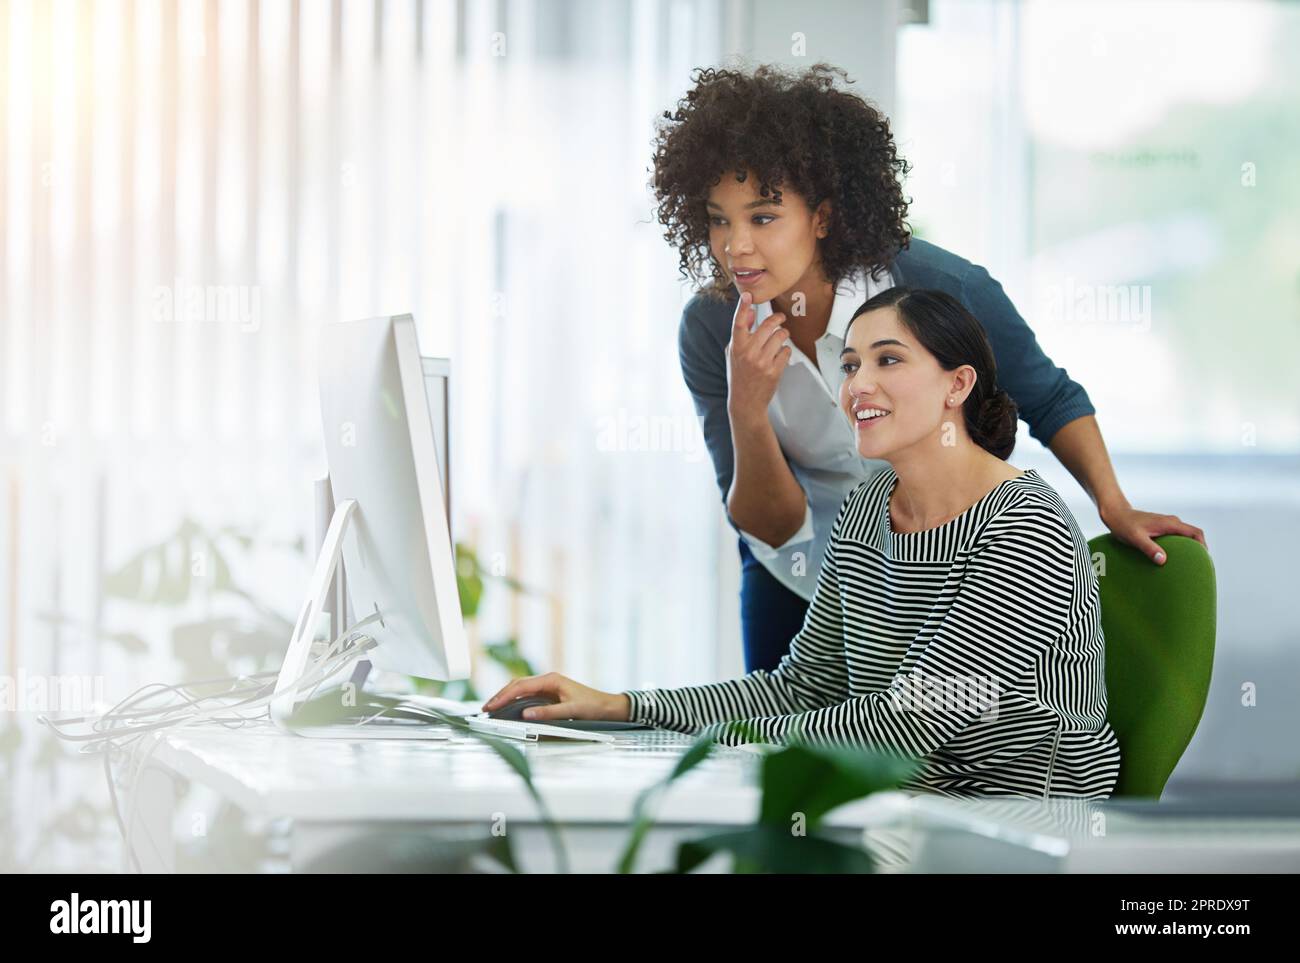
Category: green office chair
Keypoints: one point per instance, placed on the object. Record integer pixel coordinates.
(1159, 623)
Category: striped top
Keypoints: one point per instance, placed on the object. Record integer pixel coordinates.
(975, 647)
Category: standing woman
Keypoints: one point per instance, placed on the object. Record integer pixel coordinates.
(781, 193)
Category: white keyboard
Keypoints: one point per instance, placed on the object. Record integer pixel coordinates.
(533, 731)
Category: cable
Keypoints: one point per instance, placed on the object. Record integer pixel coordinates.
(323, 670)
(121, 728)
(105, 727)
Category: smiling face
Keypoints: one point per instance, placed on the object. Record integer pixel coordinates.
(895, 393)
(764, 247)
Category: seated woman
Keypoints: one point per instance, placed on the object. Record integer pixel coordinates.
(957, 616)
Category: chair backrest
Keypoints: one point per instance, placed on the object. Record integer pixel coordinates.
(1159, 622)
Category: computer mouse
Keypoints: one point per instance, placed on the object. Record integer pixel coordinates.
(514, 711)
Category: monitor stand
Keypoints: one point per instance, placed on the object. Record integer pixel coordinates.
(286, 697)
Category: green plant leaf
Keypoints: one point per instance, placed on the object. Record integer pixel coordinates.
(329, 708)
(431, 687)
(503, 852)
(406, 851)
(796, 778)
(11, 737)
(519, 763)
(469, 581)
(79, 822)
(129, 641)
(642, 817)
(506, 654)
(222, 580)
(243, 539)
(192, 643)
(774, 849)
(159, 574)
(814, 780)
(468, 564)
(514, 584)
(462, 690)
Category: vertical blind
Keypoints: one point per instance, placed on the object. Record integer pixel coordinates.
(189, 189)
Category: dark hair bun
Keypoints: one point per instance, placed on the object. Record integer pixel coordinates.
(994, 427)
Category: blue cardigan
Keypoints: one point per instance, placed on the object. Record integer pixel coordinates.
(1045, 394)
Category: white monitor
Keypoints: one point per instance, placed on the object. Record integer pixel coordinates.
(437, 388)
(390, 518)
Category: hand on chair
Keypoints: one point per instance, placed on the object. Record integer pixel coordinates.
(1139, 529)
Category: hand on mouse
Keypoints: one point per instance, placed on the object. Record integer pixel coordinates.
(576, 701)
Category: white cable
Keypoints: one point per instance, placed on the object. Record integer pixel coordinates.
(106, 726)
(322, 669)
(116, 728)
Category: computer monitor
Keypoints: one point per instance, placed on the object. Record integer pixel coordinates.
(437, 389)
(390, 523)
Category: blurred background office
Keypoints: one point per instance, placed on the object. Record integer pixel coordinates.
(189, 189)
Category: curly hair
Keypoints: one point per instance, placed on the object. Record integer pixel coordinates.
(796, 131)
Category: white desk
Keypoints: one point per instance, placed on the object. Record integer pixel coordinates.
(1082, 836)
(334, 790)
